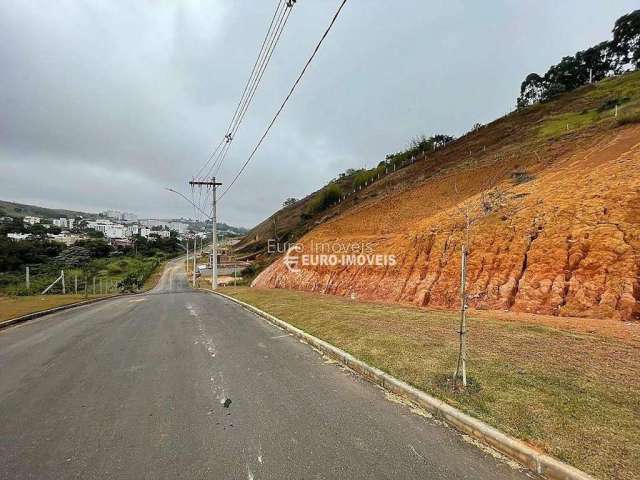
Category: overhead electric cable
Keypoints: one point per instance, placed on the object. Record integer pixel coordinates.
(275, 117)
(268, 52)
(278, 21)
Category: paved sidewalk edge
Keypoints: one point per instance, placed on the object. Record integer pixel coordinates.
(516, 449)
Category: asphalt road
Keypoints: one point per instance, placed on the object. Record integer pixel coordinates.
(135, 388)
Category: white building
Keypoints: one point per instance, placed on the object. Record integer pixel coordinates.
(116, 231)
(152, 222)
(18, 236)
(65, 238)
(32, 220)
(160, 233)
(179, 227)
(115, 214)
(63, 222)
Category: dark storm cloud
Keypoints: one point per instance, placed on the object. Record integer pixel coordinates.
(105, 103)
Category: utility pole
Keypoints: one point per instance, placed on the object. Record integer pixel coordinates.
(187, 238)
(193, 279)
(214, 232)
(28, 281)
(63, 287)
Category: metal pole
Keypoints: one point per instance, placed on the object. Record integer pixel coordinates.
(187, 238)
(214, 238)
(63, 286)
(28, 280)
(94, 285)
(75, 284)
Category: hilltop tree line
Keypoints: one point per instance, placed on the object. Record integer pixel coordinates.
(611, 57)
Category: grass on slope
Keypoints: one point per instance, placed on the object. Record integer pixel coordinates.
(572, 393)
(12, 307)
(595, 103)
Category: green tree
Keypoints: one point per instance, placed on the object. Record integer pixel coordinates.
(626, 40)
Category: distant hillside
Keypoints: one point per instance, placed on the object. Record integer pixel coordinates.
(553, 191)
(290, 222)
(13, 209)
(230, 229)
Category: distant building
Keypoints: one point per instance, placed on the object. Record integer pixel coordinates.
(6, 219)
(160, 233)
(63, 222)
(129, 217)
(19, 236)
(121, 242)
(115, 214)
(152, 222)
(32, 220)
(67, 239)
(115, 231)
(99, 225)
(179, 227)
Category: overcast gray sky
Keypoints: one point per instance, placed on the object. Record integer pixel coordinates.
(103, 104)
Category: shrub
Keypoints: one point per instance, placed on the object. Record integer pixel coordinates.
(521, 177)
(363, 177)
(324, 199)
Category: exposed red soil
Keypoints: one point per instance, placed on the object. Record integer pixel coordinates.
(565, 243)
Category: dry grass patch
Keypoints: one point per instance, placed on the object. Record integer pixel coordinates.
(573, 394)
(12, 307)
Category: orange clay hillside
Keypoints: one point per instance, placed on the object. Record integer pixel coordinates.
(553, 195)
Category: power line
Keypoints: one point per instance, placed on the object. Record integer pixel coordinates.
(275, 117)
(268, 52)
(276, 26)
(245, 108)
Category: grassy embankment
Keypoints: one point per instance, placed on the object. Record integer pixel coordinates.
(12, 307)
(567, 387)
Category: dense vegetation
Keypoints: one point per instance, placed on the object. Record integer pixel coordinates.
(128, 266)
(611, 57)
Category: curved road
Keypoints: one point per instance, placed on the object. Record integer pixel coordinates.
(177, 384)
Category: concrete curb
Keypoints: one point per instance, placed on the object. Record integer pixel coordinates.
(42, 313)
(540, 463)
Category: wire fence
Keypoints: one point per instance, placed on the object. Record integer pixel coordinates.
(64, 283)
